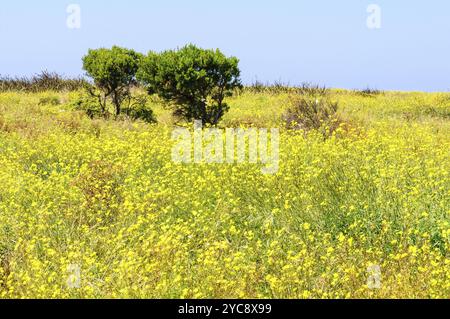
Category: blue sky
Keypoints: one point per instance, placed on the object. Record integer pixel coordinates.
(321, 41)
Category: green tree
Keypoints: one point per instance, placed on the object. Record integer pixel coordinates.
(195, 81)
(113, 71)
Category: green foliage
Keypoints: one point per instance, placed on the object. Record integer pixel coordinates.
(195, 81)
(138, 109)
(88, 103)
(113, 71)
(135, 107)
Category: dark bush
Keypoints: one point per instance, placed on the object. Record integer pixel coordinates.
(368, 92)
(194, 81)
(138, 109)
(88, 103)
(134, 107)
(49, 100)
(313, 113)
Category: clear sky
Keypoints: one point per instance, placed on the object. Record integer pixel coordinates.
(322, 41)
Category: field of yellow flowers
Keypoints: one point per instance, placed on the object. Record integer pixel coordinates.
(97, 209)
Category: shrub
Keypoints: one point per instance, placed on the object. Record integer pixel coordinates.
(45, 81)
(312, 113)
(309, 89)
(279, 87)
(113, 71)
(135, 106)
(88, 103)
(194, 81)
(138, 109)
(49, 100)
(368, 92)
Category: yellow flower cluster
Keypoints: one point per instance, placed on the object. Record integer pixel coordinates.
(97, 209)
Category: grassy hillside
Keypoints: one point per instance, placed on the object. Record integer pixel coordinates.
(104, 198)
